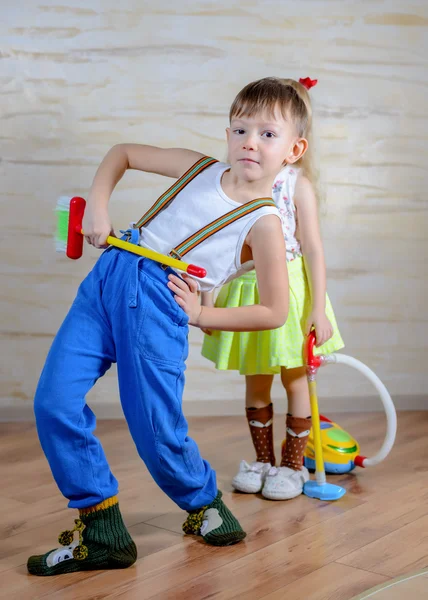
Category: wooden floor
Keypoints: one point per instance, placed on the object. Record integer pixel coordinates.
(302, 549)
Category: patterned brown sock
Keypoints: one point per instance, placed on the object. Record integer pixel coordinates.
(295, 442)
(260, 421)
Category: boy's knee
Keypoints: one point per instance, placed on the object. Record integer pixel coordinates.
(51, 402)
(43, 407)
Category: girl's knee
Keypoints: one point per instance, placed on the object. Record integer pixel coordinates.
(257, 390)
(258, 384)
(294, 379)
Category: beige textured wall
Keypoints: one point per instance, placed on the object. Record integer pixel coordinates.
(79, 76)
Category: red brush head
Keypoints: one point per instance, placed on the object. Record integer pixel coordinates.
(196, 271)
(75, 237)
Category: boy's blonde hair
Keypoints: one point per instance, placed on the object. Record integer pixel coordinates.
(293, 100)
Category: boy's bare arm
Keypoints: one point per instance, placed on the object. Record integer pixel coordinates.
(170, 162)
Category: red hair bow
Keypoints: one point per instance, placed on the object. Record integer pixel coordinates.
(308, 82)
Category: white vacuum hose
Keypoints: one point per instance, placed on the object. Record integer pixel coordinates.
(391, 416)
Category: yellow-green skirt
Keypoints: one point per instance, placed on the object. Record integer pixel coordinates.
(265, 352)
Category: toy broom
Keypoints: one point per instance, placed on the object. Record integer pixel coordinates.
(70, 235)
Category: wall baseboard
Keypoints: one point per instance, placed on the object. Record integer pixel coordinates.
(24, 412)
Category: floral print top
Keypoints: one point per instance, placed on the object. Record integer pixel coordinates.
(283, 194)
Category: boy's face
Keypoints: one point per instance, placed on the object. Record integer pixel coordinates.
(259, 146)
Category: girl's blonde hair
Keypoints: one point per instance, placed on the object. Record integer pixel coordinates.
(293, 100)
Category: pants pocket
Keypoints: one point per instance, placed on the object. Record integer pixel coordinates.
(162, 334)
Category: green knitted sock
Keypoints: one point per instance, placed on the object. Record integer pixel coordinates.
(215, 523)
(104, 543)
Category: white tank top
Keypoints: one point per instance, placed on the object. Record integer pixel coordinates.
(283, 195)
(199, 203)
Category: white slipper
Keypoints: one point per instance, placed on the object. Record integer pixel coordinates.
(250, 477)
(283, 483)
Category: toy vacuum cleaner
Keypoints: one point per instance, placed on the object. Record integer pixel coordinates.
(330, 448)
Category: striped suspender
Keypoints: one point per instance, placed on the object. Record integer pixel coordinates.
(171, 193)
(197, 238)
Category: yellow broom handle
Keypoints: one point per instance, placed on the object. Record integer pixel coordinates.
(319, 461)
(156, 256)
(164, 259)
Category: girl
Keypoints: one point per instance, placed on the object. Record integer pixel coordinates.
(133, 311)
(260, 355)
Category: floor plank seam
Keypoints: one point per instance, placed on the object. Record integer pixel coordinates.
(381, 537)
(158, 527)
(387, 577)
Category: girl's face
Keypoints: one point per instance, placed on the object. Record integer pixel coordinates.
(258, 146)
